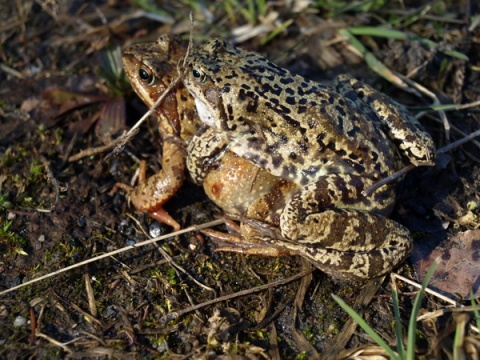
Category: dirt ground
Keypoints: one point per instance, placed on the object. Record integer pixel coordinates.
(60, 95)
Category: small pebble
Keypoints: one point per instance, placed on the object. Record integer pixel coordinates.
(130, 242)
(81, 221)
(19, 321)
(109, 311)
(125, 228)
(156, 229)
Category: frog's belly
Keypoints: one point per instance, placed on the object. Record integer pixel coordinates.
(235, 184)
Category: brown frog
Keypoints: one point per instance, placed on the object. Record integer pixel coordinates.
(321, 147)
(151, 67)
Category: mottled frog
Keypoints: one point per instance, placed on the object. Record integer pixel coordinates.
(321, 147)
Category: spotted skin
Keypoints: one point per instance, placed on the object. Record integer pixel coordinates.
(323, 145)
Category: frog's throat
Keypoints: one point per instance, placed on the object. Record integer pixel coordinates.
(205, 114)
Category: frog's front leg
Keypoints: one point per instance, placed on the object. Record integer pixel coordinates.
(150, 194)
(320, 224)
(205, 149)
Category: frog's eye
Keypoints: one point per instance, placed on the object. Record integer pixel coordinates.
(146, 75)
(199, 75)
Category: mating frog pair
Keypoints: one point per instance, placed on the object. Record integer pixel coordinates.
(290, 158)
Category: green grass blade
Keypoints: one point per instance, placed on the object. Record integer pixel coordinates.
(456, 54)
(458, 341)
(388, 33)
(378, 32)
(398, 322)
(262, 7)
(412, 326)
(148, 6)
(277, 31)
(372, 62)
(250, 12)
(443, 107)
(367, 328)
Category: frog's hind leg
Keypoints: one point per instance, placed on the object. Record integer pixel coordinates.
(357, 244)
(332, 223)
(240, 245)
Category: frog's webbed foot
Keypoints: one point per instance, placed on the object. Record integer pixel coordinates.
(150, 194)
(427, 162)
(235, 241)
(163, 217)
(240, 245)
(257, 229)
(157, 213)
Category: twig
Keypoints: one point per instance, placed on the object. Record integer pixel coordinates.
(123, 139)
(182, 65)
(119, 143)
(454, 128)
(176, 314)
(190, 43)
(436, 102)
(90, 295)
(58, 343)
(427, 290)
(368, 191)
(89, 317)
(11, 71)
(171, 262)
(33, 327)
(459, 142)
(455, 107)
(92, 151)
(458, 306)
(118, 251)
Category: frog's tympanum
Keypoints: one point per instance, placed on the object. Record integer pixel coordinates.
(315, 149)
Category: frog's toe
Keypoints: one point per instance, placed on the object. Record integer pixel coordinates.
(242, 245)
(427, 162)
(121, 186)
(164, 217)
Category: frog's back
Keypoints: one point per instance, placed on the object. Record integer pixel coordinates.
(294, 127)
